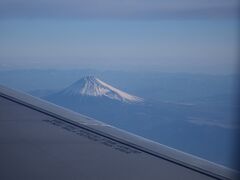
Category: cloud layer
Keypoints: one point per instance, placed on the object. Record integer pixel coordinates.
(124, 9)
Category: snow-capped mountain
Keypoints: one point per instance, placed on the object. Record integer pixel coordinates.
(92, 86)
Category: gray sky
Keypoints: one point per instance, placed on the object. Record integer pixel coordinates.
(164, 35)
(118, 8)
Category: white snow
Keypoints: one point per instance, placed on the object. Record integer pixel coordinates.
(91, 86)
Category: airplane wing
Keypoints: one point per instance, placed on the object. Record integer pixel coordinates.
(39, 140)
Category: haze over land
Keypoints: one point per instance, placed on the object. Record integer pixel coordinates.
(168, 36)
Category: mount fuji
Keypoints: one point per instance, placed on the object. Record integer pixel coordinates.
(91, 86)
(93, 97)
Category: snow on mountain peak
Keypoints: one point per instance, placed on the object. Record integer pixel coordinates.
(92, 86)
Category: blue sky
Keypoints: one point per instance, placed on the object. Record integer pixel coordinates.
(153, 35)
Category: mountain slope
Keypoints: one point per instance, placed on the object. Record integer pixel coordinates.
(92, 97)
(91, 86)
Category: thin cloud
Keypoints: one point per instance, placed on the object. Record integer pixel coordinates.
(124, 9)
